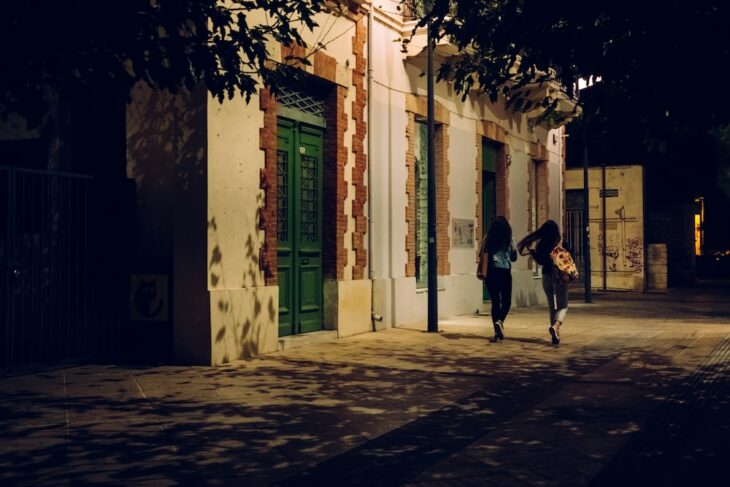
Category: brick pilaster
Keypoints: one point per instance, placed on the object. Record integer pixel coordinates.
(334, 223)
(411, 194)
(358, 148)
(268, 183)
(478, 230)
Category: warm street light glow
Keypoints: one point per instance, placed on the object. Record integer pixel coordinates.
(699, 224)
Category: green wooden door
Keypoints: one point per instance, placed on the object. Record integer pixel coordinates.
(489, 192)
(299, 219)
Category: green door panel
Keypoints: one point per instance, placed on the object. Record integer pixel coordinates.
(489, 192)
(285, 161)
(299, 216)
(309, 222)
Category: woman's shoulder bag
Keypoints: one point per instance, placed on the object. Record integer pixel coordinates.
(482, 260)
(564, 268)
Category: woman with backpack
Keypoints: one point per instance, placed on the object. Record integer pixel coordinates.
(539, 244)
(502, 251)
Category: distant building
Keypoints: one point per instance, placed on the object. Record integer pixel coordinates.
(623, 245)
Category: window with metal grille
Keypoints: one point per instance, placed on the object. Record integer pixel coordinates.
(308, 107)
(421, 170)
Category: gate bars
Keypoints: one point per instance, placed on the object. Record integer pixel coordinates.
(45, 283)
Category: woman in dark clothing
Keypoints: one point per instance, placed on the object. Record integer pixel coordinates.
(502, 252)
(539, 244)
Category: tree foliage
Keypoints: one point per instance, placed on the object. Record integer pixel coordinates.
(659, 61)
(51, 46)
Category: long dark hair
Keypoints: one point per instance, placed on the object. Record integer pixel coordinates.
(547, 237)
(499, 235)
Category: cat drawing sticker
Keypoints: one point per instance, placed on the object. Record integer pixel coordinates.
(148, 295)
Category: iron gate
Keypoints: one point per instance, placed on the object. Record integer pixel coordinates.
(573, 238)
(45, 286)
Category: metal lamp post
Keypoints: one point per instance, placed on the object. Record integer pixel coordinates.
(432, 254)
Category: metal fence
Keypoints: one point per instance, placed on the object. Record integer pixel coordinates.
(573, 237)
(44, 286)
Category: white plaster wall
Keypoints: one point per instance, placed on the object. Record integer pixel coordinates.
(518, 192)
(244, 311)
(380, 197)
(387, 161)
(463, 198)
(335, 35)
(555, 178)
(234, 196)
(388, 197)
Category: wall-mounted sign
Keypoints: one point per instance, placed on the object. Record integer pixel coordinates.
(148, 297)
(610, 193)
(463, 232)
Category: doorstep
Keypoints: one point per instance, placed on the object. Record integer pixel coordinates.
(307, 339)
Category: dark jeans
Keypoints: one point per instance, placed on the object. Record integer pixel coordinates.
(499, 284)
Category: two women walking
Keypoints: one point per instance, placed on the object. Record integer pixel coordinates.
(502, 251)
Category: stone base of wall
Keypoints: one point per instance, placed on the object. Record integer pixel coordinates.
(244, 323)
(347, 306)
(656, 272)
(462, 295)
(618, 281)
(383, 303)
(458, 295)
(527, 290)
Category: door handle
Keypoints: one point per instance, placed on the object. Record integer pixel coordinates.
(16, 271)
(305, 261)
(16, 276)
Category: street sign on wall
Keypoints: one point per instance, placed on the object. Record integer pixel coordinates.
(463, 232)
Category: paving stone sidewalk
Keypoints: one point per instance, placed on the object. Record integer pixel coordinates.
(639, 380)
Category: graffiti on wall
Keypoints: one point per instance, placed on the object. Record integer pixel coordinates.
(635, 254)
(624, 249)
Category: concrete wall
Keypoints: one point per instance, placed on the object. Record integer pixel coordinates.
(625, 260)
(166, 157)
(656, 274)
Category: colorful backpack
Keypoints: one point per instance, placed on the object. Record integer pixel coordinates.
(564, 268)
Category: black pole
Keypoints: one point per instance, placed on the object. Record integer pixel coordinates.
(586, 220)
(433, 313)
(603, 220)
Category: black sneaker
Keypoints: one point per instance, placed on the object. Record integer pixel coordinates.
(554, 336)
(499, 330)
